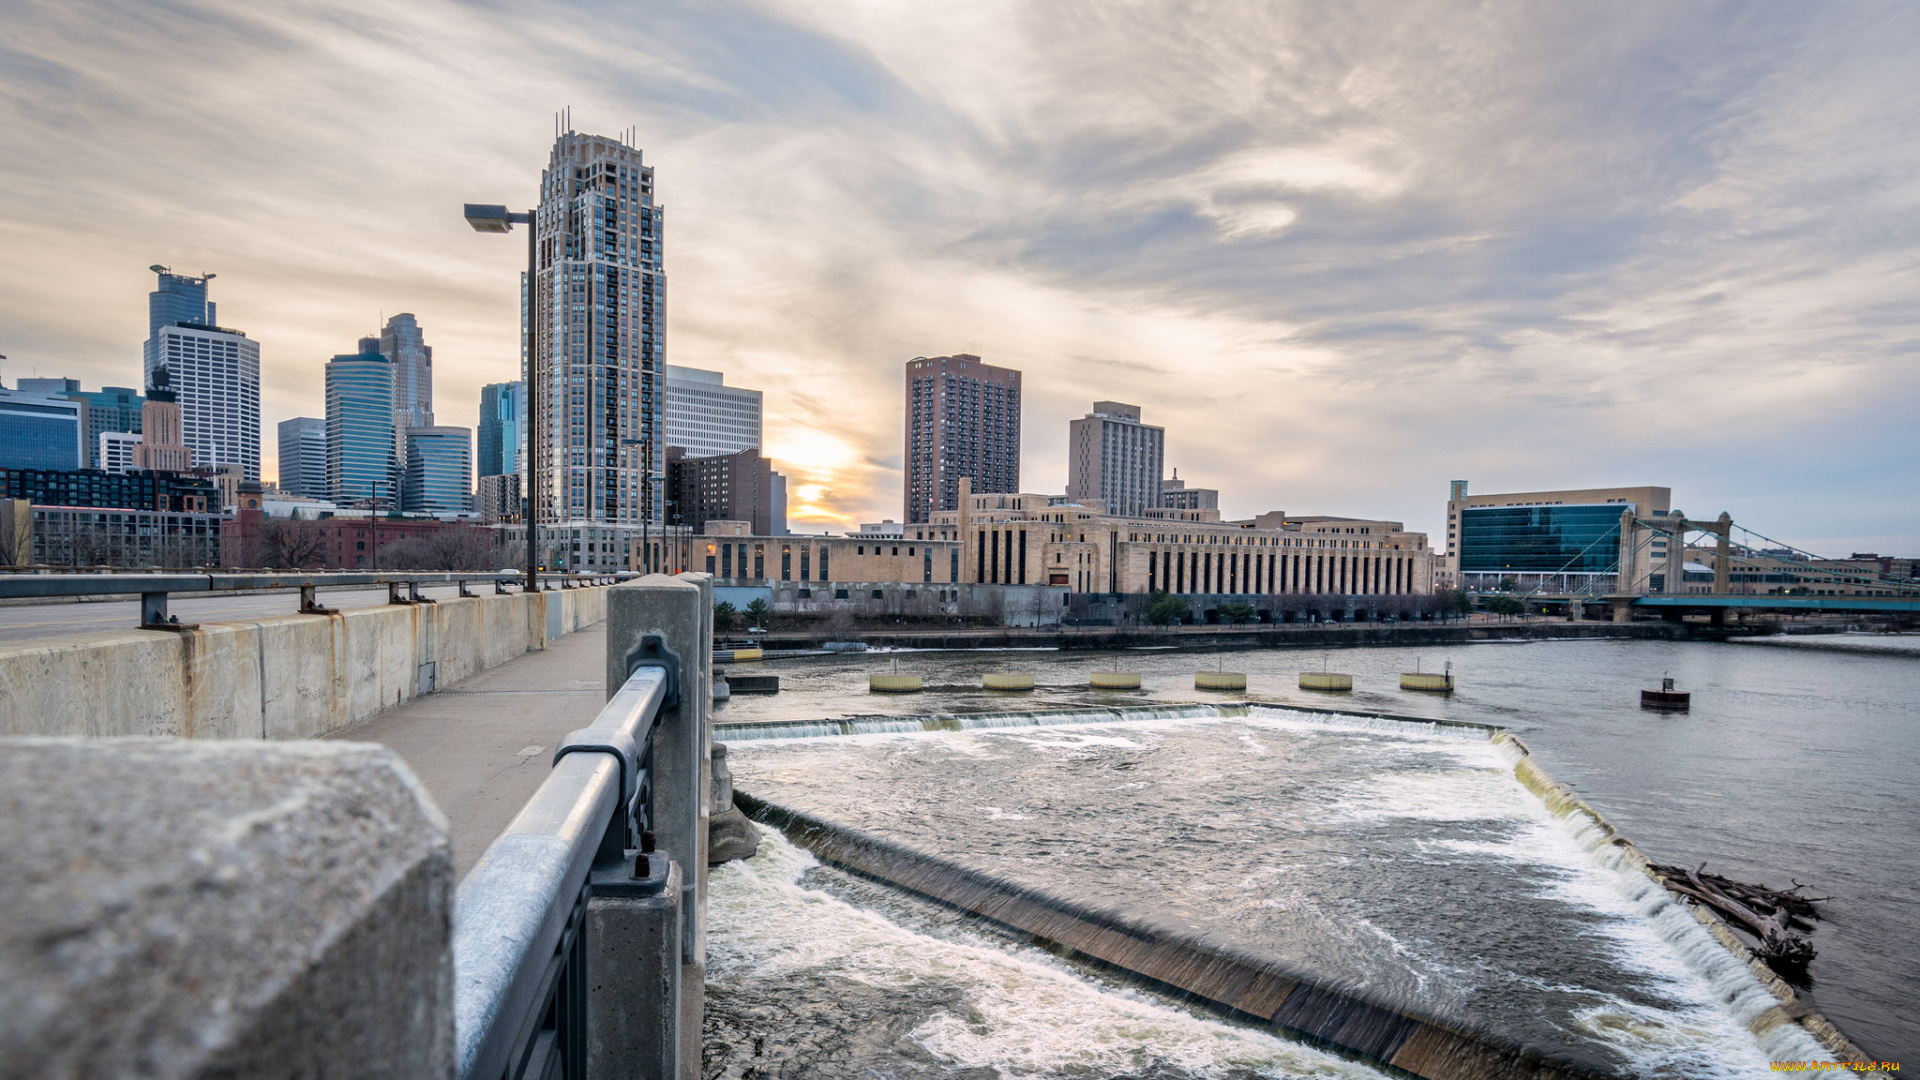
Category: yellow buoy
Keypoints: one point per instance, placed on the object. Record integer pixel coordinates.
(1427, 680)
(1007, 680)
(1219, 680)
(749, 654)
(1325, 680)
(1114, 680)
(894, 683)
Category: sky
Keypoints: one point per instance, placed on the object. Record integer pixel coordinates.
(1344, 252)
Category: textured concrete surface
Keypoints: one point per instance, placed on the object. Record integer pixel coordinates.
(234, 909)
(483, 745)
(278, 677)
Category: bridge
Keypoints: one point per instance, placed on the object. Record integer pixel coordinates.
(245, 906)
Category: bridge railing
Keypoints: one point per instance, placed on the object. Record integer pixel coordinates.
(578, 947)
(154, 589)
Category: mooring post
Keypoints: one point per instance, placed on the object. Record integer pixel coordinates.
(646, 948)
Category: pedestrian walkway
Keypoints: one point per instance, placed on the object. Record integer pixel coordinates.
(483, 745)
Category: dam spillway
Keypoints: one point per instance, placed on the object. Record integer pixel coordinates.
(1404, 864)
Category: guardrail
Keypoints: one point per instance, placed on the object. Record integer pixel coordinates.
(579, 946)
(154, 588)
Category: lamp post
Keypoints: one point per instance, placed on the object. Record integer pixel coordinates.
(498, 219)
(646, 512)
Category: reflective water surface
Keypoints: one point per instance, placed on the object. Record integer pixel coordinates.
(1795, 763)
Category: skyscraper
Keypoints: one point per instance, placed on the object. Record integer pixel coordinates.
(599, 313)
(402, 342)
(110, 409)
(303, 457)
(363, 460)
(439, 470)
(180, 298)
(39, 431)
(1116, 459)
(963, 419)
(163, 446)
(214, 373)
(503, 408)
(706, 417)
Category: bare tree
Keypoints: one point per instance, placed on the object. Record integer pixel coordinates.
(287, 543)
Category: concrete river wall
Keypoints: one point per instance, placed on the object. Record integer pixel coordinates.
(279, 677)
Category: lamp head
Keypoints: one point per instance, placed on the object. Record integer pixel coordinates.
(489, 218)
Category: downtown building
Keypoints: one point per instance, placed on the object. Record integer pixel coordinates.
(503, 413)
(1114, 460)
(214, 372)
(706, 417)
(598, 309)
(303, 457)
(40, 431)
(363, 453)
(439, 471)
(109, 410)
(963, 422)
(1565, 541)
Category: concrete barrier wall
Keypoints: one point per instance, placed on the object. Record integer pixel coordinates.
(279, 677)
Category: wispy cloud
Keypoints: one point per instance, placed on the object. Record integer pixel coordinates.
(1345, 252)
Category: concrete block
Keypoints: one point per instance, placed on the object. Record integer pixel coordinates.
(303, 675)
(232, 909)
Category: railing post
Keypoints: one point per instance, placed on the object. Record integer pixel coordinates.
(628, 965)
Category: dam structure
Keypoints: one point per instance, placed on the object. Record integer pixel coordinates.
(484, 831)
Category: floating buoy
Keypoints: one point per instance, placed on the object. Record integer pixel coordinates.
(894, 683)
(1325, 680)
(1114, 680)
(1007, 680)
(1219, 680)
(755, 653)
(1666, 698)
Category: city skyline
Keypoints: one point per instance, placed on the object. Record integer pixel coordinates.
(1401, 248)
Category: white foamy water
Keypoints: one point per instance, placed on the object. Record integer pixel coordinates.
(1669, 1000)
(1020, 1012)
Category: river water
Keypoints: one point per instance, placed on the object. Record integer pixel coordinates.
(1401, 861)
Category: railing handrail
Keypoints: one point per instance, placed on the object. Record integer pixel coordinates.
(511, 911)
(33, 585)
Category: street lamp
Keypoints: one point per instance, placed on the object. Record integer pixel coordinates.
(490, 218)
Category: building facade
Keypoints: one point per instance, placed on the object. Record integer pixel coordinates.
(722, 487)
(176, 298)
(707, 417)
(79, 536)
(1114, 460)
(38, 431)
(162, 444)
(1560, 541)
(215, 376)
(439, 471)
(303, 457)
(118, 451)
(110, 409)
(963, 422)
(498, 497)
(98, 489)
(1176, 495)
(598, 305)
(503, 409)
(402, 342)
(363, 461)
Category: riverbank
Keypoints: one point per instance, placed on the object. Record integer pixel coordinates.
(1254, 635)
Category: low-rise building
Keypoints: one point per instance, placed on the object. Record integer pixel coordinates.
(1559, 541)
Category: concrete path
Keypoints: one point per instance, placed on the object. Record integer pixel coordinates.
(483, 745)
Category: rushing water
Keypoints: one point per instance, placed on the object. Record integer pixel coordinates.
(1796, 761)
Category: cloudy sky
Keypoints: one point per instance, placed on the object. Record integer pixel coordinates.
(1345, 252)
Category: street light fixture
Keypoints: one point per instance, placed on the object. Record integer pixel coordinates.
(493, 218)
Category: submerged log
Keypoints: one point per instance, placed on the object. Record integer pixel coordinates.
(1768, 914)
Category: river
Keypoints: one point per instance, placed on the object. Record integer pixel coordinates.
(1794, 763)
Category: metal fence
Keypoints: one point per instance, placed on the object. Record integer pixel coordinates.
(153, 589)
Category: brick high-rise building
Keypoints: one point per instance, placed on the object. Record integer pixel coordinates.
(723, 487)
(963, 419)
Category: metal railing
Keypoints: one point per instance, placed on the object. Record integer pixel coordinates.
(153, 589)
(519, 941)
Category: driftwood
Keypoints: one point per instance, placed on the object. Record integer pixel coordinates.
(1768, 914)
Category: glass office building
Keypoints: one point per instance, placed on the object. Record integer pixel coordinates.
(439, 470)
(1534, 540)
(503, 408)
(363, 457)
(41, 432)
(303, 457)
